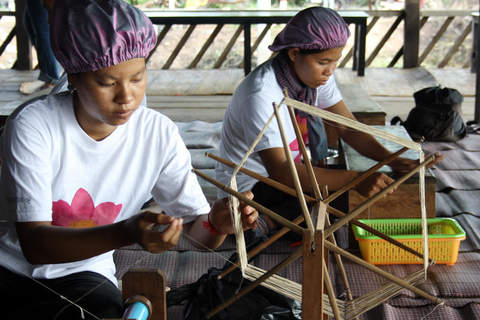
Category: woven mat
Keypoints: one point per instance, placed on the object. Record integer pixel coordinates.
(453, 202)
(470, 143)
(431, 312)
(457, 179)
(461, 280)
(459, 160)
(470, 224)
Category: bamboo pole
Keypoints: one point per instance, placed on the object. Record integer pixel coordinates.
(277, 235)
(319, 212)
(364, 175)
(261, 178)
(311, 200)
(382, 273)
(341, 268)
(293, 172)
(338, 258)
(308, 165)
(272, 215)
(340, 222)
(330, 293)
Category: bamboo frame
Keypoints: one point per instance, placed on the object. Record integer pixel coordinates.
(309, 199)
(320, 237)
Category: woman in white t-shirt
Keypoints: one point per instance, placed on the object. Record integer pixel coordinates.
(309, 48)
(78, 165)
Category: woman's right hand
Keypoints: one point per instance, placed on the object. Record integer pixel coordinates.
(373, 184)
(143, 229)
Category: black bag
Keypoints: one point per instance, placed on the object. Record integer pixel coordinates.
(209, 292)
(259, 304)
(437, 115)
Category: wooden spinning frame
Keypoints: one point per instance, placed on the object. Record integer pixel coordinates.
(316, 293)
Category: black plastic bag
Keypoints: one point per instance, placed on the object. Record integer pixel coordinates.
(437, 94)
(437, 115)
(209, 292)
(259, 304)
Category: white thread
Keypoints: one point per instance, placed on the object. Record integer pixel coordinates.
(438, 305)
(240, 240)
(82, 315)
(238, 227)
(239, 286)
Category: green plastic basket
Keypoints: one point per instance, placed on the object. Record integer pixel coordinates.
(444, 236)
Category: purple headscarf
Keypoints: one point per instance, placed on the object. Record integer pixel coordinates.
(315, 28)
(87, 35)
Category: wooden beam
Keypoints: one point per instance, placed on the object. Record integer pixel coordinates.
(313, 275)
(24, 46)
(179, 46)
(412, 33)
(160, 37)
(229, 47)
(476, 33)
(207, 44)
(7, 41)
(385, 38)
(349, 54)
(455, 46)
(435, 39)
(400, 52)
(149, 283)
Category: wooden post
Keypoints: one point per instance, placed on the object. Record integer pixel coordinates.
(149, 283)
(411, 33)
(312, 275)
(476, 34)
(24, 46)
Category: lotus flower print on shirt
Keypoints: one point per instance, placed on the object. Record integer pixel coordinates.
(294, 146)
(82, 213)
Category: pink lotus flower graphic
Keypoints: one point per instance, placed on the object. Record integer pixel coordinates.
(295, 147)
(82, 213)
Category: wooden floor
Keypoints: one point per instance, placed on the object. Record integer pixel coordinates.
(187, 95)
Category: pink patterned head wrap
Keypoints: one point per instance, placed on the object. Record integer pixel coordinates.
(87, 35)
(314, 28)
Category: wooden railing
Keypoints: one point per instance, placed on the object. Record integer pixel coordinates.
(451, 29)
(11, 33)
(243, 21)
(458, 38)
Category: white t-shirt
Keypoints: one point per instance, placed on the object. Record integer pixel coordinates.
(249, 110)
(53, 171)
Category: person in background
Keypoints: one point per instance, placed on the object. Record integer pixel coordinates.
(308, 49)
(77, 166)
(35, 21)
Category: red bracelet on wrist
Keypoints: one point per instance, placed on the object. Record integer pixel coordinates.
(212, 230)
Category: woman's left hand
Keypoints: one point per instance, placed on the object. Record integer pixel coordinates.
(220, 217)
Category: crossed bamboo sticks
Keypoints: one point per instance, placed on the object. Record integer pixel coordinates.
(321, 207)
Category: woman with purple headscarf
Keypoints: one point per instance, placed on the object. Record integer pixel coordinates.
(77, 166)
(309, 48)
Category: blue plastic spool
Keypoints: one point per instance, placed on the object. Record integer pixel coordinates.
(137, 308)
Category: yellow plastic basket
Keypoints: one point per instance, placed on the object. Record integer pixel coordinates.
(444, 236)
